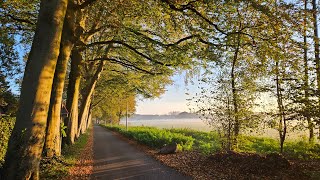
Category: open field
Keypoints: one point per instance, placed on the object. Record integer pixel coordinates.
(198, 124)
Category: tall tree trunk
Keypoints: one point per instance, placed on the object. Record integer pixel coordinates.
(53, 136)
(86, 99)
(282, 119)
(235, 95)
(306, 75)
(89, 120)
(229, 135)
(316, 43)
(83, 117)
(73, 96)
(27, 139)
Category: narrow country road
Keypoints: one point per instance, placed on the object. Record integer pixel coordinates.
(116, 159)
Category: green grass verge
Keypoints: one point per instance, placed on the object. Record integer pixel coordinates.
(58, 167)
(210, 142)
(154, 137)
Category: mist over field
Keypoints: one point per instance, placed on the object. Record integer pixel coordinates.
(195, 123)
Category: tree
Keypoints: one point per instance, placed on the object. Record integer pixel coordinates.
(234, 33)
(8, 101)
(120, 86)
(27, 139)
(53, 135)
(18, 18)
(306, 71)
(10, 68)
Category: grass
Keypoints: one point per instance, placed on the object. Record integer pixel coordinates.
(210, 142)
(58, 167)
(155, 137)
(206, 142)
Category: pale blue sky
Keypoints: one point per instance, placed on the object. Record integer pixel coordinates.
(174, 99)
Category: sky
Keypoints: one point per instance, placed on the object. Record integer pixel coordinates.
(174, 99)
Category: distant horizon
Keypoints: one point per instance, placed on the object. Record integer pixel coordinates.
(160, 114)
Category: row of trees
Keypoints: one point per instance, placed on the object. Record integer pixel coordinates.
(130, 51)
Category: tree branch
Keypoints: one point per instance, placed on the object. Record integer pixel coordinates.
(131, 66)
(86, 3)
(21, 20)
(129, 47)
(189, 7)
(160, 43)
(94, 105)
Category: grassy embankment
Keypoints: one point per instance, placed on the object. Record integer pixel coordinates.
(210, 142)
(55, 168)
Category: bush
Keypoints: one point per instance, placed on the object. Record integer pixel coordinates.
(302, 149)
(259, 145)
(6, 126)
(293, 149)
(206, 142)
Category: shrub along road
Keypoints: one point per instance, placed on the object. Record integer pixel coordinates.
(116, 159)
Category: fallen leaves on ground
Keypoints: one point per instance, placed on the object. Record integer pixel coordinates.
(84, 166)
(234, 165)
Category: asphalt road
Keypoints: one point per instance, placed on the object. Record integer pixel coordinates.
(116, 159)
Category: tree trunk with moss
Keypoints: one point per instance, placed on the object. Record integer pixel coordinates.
(53, 136)
(86, 99)
(28, 136)
(73, 96)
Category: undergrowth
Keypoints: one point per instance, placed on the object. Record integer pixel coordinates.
(58, 167)
(53, 168)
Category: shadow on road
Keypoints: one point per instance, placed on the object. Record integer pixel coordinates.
(116, 159)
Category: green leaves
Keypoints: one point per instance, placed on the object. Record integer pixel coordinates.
(6, 126)
(63, 129)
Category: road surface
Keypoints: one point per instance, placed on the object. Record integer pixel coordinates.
(116, 159)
